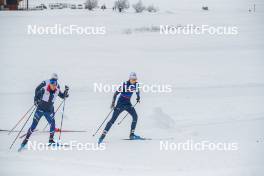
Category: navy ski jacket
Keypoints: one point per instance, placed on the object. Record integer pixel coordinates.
(42, 89)
(126, 91)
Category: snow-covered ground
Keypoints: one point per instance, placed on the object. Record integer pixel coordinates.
(217, 89)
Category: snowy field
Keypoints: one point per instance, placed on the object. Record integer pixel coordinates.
(217, 89)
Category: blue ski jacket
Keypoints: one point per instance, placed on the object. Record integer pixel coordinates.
(126, 91)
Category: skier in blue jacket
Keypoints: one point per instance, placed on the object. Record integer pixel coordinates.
(45, 95)
(124, 104)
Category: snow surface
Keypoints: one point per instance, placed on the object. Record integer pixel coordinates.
(217, 89)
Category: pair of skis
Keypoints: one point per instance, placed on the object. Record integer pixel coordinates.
(138, 139)
(57, 144)
(57, 130)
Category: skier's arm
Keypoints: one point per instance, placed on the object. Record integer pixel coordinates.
(40, 86)
(65, 94)
(114, 97)
(38, 96)
(120, 89)
(39, 91)
(61, 95)
(138, 93)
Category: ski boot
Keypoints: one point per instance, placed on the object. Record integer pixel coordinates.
(132, 136)
(23, 145)
(100, 140)
(51, 141)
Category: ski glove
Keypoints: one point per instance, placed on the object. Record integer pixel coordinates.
(67, 88)
(66, 94)
(112, 105)
(36, 101)
(138, 99)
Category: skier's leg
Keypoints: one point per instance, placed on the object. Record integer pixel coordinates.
(133, 113)
(116, 113)
(50, 118)
(37, 116)
(113, 119)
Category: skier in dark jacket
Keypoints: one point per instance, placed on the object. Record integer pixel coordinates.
(124, 104)
(45, 95)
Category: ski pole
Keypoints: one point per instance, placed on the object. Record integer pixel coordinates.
(22, 128)
(126, 115)
(10, 131)
(23, 135)
(103, 122)
(53, 116)
(62, 118)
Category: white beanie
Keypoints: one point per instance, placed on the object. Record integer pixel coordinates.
(54, 76)
(133, 75)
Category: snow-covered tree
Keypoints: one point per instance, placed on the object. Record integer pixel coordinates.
(152, 8)
(91, 4)
(121, 5)
(139, 7)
